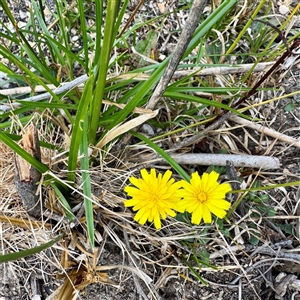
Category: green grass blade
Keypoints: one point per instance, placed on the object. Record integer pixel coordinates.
(77, 129)
(241, 34)
(84, 35)
(197, 275)
(86, 180)
(64, 202)
(47, 105)
(17, 61)
(196, 99)
(7, 124)
(120, 18)
(62, 48)
(112, 9)
(99, 17)
(208, 23)
(4, 6)
(31, 76)
(34, 32)
(208, 103)
(56, 54)
(15, 137)
(65, 35)
(144, 87)
(24, 253)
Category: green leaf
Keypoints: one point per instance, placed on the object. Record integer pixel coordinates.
(137, 93)
(4, 6)
(287, 228)
(145, 46)
(80, 4)
(290, 107)
(253, 240)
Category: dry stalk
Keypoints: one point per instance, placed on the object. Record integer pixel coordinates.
(265, 130)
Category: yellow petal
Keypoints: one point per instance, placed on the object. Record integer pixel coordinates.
(195, 180)
(187, 187)
(132, 191)
(166, 177)
(223, 188)
(206, 214)
(171, 212)
(145, 176)
(141, 216)
(131, 202)
(157, 222)
(180, 206)
(219, 212)
(134, 181)
(223, 204)
(197, 215)
(162, 212)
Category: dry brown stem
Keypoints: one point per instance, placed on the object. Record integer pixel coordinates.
(26, 176)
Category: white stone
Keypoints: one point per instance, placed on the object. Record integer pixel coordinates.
(283, 10)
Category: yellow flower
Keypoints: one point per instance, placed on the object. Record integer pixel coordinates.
(154, 197)
(203, 196)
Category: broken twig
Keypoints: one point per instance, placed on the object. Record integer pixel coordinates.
(26, 176)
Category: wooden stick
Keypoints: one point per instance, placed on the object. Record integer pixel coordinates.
(209, 159)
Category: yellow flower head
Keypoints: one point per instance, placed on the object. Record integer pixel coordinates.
(154, 197)
(203, 196)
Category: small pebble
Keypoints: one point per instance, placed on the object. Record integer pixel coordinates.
(146, 128)
(283, 10)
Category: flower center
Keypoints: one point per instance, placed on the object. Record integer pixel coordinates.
(202, 197)
(155, 197)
